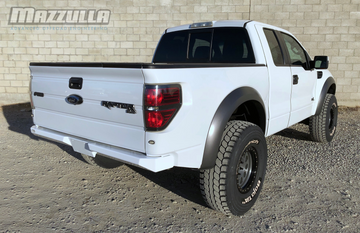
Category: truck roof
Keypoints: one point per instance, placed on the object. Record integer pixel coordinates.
(220, 23)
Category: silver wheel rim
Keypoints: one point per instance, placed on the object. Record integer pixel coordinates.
(245, 170)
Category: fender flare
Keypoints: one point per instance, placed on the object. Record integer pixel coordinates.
(222, 116)
(328, 83)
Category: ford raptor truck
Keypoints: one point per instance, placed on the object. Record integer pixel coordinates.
(210, 96)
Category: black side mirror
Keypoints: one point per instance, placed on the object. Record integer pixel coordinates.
(320, 62)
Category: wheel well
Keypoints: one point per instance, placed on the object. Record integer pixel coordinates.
(332, 89)
(251, 111)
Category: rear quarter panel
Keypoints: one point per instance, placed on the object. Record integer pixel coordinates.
(203, 89)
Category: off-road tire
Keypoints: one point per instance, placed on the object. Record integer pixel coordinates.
(323, 126)
(235, 182)
(101, 161)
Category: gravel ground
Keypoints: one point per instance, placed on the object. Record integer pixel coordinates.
(44, 186)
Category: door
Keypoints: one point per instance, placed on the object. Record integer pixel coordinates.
(303, 80)
(280, 84)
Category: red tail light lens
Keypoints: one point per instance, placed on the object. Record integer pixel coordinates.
(162, 102)
(159, 96)
(157, 119)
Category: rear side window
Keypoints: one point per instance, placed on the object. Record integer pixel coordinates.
(218, 45)
(275, 49)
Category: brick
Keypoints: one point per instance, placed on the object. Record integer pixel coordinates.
(82, 51)
(327, 15)
(351, 89)
(200, 9)
(346, 52)
(354, 30)
(355, 96)
(4, 83)
(207, 2)
(126, 44)
(345, 67)
(355, 15)
(348, 38)
(332, 37)
(214, 9)
(132, 52)
(282, 15)
(16, 83)
(187, 9)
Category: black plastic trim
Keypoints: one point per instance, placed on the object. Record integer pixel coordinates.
(247, 23)
(197, 65)
(145, 65)
(68, 64)
(39, 94)
(319, 74)
(330, 81)
(220, 119)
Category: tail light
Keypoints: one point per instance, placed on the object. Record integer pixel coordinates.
(161, 102)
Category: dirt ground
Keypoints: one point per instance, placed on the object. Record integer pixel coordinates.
(44, 186)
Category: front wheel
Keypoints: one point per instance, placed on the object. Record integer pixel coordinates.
(323, 126)
(235, 182)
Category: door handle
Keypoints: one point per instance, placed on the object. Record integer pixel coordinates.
(295, 79)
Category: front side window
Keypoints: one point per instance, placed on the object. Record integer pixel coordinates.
(217, 45)
(296, 52)
(275, 49)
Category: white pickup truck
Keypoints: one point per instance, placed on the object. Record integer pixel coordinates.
(210, 96)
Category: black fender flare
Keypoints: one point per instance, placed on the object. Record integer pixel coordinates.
(222, 115)
(328, 83)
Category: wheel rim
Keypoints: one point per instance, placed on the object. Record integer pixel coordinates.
(246, 170)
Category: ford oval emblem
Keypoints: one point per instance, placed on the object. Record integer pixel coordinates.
(74, 99)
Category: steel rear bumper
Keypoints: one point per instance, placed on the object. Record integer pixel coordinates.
(91, 148)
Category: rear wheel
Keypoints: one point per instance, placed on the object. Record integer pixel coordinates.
(323, 126)
(235, 182)
(101, 161)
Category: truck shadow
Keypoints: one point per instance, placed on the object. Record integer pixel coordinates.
(181, 181)
(18, 117)
(295, 133)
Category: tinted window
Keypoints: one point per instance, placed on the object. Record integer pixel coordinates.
(199, 47)
(232, 45)
(296, 52)
(227, 45)
(274, 47)
(172, 48)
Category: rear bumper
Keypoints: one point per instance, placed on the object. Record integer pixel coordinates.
(91, 148)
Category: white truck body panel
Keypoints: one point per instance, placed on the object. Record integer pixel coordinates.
(190, 127)
(91, 120)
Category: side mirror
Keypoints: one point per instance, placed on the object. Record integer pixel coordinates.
(320, 62)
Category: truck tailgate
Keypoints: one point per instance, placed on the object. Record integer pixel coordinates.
(102, 116)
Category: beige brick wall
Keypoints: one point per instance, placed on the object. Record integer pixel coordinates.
(325, 27)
